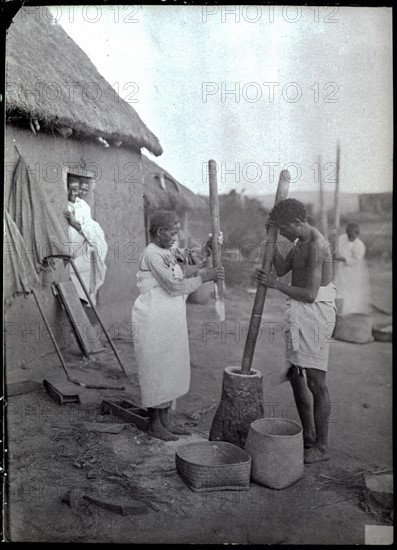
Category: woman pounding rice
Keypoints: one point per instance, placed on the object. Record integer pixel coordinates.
(159, 315)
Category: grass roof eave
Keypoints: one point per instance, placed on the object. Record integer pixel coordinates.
(175, 196)
(50, 78)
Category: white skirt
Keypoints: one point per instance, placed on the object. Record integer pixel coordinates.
(161, 346)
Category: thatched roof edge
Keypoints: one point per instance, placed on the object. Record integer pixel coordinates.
(175, 196)
(42, 58)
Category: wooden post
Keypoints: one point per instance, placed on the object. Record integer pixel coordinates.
(337, 203)
(335, 235)
(323, 210)
(260, 297)
(216, 249)
(187, 228)
(183, 242)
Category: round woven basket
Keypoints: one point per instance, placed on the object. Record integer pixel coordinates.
(355, 328)
(201, 296)
(276, 448)
(213, 466)
(381, 335)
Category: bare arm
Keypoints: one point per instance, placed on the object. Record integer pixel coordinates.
(314, 273)
(282, 265)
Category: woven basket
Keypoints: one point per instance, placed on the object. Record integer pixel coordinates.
(276, 448)
(201, 296)
(355, 328)
(213, 466)
(382, 335)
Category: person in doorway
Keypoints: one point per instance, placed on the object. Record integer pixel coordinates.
(310, 319)
(351, 273)
(88, 243)
(159, 316)
(84, 189)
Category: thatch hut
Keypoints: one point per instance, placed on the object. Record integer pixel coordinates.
(161, 190)
(65, 118)
(52, 81)
(376, 203)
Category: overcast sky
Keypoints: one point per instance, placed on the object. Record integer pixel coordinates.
(303, 78)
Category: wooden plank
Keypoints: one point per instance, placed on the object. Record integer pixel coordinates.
(122, 506)
(61, 392)
(128, 412)
(19, 388)
(86, 333)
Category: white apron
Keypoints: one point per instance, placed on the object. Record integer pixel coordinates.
(161, 345)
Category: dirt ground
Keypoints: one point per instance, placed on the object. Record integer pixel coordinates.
(55, 457)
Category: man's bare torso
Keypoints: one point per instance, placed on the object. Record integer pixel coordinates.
(320, 249)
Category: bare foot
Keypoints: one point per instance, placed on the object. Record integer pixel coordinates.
(157, 430)
(308, 442)
(176, 429)
(314, 454)
(166, 421)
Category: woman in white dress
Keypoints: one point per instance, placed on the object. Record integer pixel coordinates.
(159, 315)
(87, 241)
(351, 277)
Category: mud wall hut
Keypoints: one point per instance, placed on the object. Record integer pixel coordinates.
(64, 118)
(376, 203)
(162, 190)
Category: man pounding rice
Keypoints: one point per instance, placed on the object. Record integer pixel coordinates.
(310, 319)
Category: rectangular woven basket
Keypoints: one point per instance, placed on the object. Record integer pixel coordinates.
(213, 466)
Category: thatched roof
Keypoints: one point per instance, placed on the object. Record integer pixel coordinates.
(161, 190)
(41, 56)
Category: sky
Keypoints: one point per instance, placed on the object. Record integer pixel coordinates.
(256, 88)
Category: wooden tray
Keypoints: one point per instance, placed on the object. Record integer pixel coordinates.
(128, 412)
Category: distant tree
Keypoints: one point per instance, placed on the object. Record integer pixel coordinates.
(242, 219)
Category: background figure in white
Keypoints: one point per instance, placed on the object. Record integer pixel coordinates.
(351, 277)
(88, 244)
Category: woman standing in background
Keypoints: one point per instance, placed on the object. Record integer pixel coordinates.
(352, 277)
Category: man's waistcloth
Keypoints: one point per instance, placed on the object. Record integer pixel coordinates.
(299, 314)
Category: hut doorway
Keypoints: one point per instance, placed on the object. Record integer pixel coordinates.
(87, 184)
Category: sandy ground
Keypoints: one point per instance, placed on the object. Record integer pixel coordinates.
(55, 458)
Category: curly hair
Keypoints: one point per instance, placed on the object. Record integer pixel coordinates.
(164, 219)
(286, 211)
